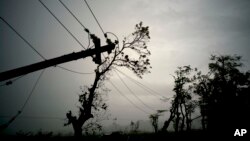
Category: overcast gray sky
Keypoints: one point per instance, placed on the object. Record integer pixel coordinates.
(182, 33)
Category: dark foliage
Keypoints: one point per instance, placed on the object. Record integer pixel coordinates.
(224, 97)
(138, 62)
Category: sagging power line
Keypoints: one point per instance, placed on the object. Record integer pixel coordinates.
(131, 102)
(10, 82)
(134, 93)
(147, 89)
(32, 90)
(73, 71)
(4, 126)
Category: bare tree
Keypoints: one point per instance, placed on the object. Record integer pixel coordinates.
(133, 55)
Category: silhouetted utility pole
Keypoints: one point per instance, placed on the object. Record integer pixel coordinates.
(62, 59)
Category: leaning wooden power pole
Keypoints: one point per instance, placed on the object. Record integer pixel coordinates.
(62, 59)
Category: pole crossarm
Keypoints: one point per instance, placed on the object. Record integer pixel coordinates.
(53, 62)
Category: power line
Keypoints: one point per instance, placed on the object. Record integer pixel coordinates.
(28, 43)
(4, 126)
(9, 82)
(33, 48)
(94, 17)
(149, 90)
(127, 98)
(117, 39)
(134, 93)
(74, 16)
(85, 29)
(32, 90)
(23, 38)
(62, 24)
(73, 71)
(105, 35)
(113, 35)
(70, 70)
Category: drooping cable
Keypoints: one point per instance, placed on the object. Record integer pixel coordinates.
(4, 126)
(32, 90)
(134, 93)
(10, 82)
(131, 102)
(73, 71)
(149, 90)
